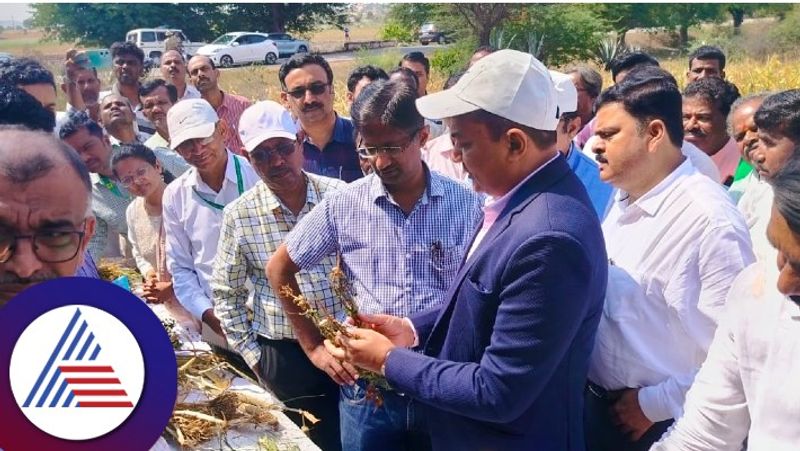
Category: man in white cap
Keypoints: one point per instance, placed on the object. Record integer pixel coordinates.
(569, 124)
(505, 357)
(194, 201)
(253, 226)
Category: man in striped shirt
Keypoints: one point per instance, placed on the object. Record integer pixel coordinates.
(401, 233)
(229, 107)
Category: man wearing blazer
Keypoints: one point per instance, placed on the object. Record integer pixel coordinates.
(505, 359)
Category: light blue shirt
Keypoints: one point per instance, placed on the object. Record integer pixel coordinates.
(600, 192)
(397, 264)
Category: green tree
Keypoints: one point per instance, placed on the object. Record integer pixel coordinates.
(685, 15)
(739, 11)
(104, 23)
(622, 17)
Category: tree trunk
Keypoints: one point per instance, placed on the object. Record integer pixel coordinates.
(738, 18)
(683, 31)
(484, 36)
(278, 20)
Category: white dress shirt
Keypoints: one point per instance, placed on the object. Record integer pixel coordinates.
(673, 254)
(747, 388)
(192, 227)
(756, 207)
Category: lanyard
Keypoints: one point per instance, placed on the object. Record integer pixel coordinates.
(239, 186)
(108, 183)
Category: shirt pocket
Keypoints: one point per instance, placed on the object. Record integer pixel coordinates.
(624, 295)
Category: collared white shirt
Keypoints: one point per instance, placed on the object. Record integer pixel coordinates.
(673, 255)
(190, 93)
(193, 226)
(747, 388)
(756, 207)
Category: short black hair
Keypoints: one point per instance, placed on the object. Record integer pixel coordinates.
(79, 120)
(19, 107)
(629, 60)
(25, 72)
(786, 189)
(453, 79)
(140, 152)
(592, 80)
(497, 126)
(719, 92)
(299, 60)
(484, 49)
(389, 102)
(648, 93)
(780, 113)
(127, 48)
(408, 75)
(708, 52)
(417, 57)
(151, 85)
(41, 165)
(372, 72)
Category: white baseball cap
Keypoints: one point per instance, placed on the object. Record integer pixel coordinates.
(190, 119)
(508, 83)
(264, 120)
(566, 93)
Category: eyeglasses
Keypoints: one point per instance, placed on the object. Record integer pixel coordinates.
(315, 89)
(52, 246)
(189, 145)
(374, 151)
(138, 174)
(260, 155)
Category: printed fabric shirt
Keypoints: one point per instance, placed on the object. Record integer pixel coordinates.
(110, 201)
(398, 264)
(253, 227)
(339, 158)
(231, 110)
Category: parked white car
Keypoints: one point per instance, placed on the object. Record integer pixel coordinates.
(287, 45)
(239, 48)
(151, 41)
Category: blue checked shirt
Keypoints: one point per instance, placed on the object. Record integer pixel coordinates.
(397, 264)
(253, 226)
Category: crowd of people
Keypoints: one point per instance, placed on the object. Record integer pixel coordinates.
(538, 263)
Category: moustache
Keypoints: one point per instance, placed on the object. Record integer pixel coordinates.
(697, 133)
(311, 106)
(600, 158)
(9, 278)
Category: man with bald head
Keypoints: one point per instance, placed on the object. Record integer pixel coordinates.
(45, 215)
(229, 107)
(173, 71)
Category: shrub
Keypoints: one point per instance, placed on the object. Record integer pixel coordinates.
(393, 30)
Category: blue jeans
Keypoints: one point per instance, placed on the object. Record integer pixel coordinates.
(398, 425)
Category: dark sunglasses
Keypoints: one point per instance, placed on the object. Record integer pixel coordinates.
(315, 89)
(260, 155)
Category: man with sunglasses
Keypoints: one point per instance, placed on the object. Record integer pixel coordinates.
(45, 216)
(401, 233)
(253, 226)
(193, 202)
(307, 91)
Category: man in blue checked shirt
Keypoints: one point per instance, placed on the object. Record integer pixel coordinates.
(402, 232)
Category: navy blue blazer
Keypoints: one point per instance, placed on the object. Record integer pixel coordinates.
(506, 357)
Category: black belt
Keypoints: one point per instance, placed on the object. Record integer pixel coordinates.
(601, 393)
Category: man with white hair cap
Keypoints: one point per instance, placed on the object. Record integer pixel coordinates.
(253, 226)
(569, 124)
(505, 358)
(193, 202)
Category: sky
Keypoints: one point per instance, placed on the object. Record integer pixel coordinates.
(19, 11)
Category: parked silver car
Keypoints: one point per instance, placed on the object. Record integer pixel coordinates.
(287, 45)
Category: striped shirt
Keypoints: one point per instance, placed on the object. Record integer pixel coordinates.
(253, 226)
(397, 264)
(231, 110)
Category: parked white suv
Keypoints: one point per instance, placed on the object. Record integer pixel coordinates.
(151, 41)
